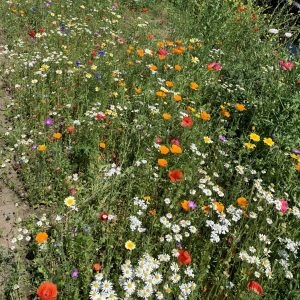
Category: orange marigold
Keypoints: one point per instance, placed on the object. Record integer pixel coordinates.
(166, 116)
(177, 97)
(57, 135)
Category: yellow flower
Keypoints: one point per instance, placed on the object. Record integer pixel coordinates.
(269, 142)
(207, 140)
(94, 67)
(147, 198)
(129, 245)
(249, 145)
(88, 75)
(254, 137)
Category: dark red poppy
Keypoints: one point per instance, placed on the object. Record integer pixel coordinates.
(255, 287)
(103, 216)
(94, 53)
(32, 34)
(186, 122)
(90, 62)
(184, 257)
(175, 175)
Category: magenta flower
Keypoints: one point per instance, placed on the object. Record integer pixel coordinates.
(192, 205)
(286, 65)
(214, 65)
(175, 141)
(48, 122)
(284, 205)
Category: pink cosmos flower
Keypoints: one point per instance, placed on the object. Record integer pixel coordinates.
(284, 205)
(163, 52)
(286, 65)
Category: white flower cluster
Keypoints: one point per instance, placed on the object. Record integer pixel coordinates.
(220, 228)
(114, 170)
(175, 233)
(146, 280)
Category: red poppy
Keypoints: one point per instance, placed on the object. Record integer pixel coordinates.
(186, 122)
(145, 9)
(184, 257)
(175, 175)
(255, 287)
(47, 291)
(94, 53)
(42, 30)
(103, 216)
(32, 34)
(90, 62)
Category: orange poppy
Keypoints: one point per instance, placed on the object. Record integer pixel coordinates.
(205, 116)
(161, 94)
(57, 135)
(41, 237)
(242, 202)
(240, 107)
(175, 149)
(194, 86)
(166, 116)
(47, 291)
(140, 52)
(169, 83)
(164, 149)
(177, 97)
(162, 162)
(185, 205)
(178, 68)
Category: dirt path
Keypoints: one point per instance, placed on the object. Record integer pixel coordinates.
(12, 206)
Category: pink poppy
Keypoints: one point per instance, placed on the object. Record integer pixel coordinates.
(284, 205)
(286, 65)
(163, 52)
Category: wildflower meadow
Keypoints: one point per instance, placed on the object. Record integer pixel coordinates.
(156, 147)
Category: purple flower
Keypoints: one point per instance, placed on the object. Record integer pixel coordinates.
(34, 147)
(75, 273)
(222, 138)
(48, 122)
(192, 205)
(297, 151)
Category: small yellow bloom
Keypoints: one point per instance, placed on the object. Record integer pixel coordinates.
(269, 142)
(129, 245)
(207, 140)
(249, 145)
(254, 137)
